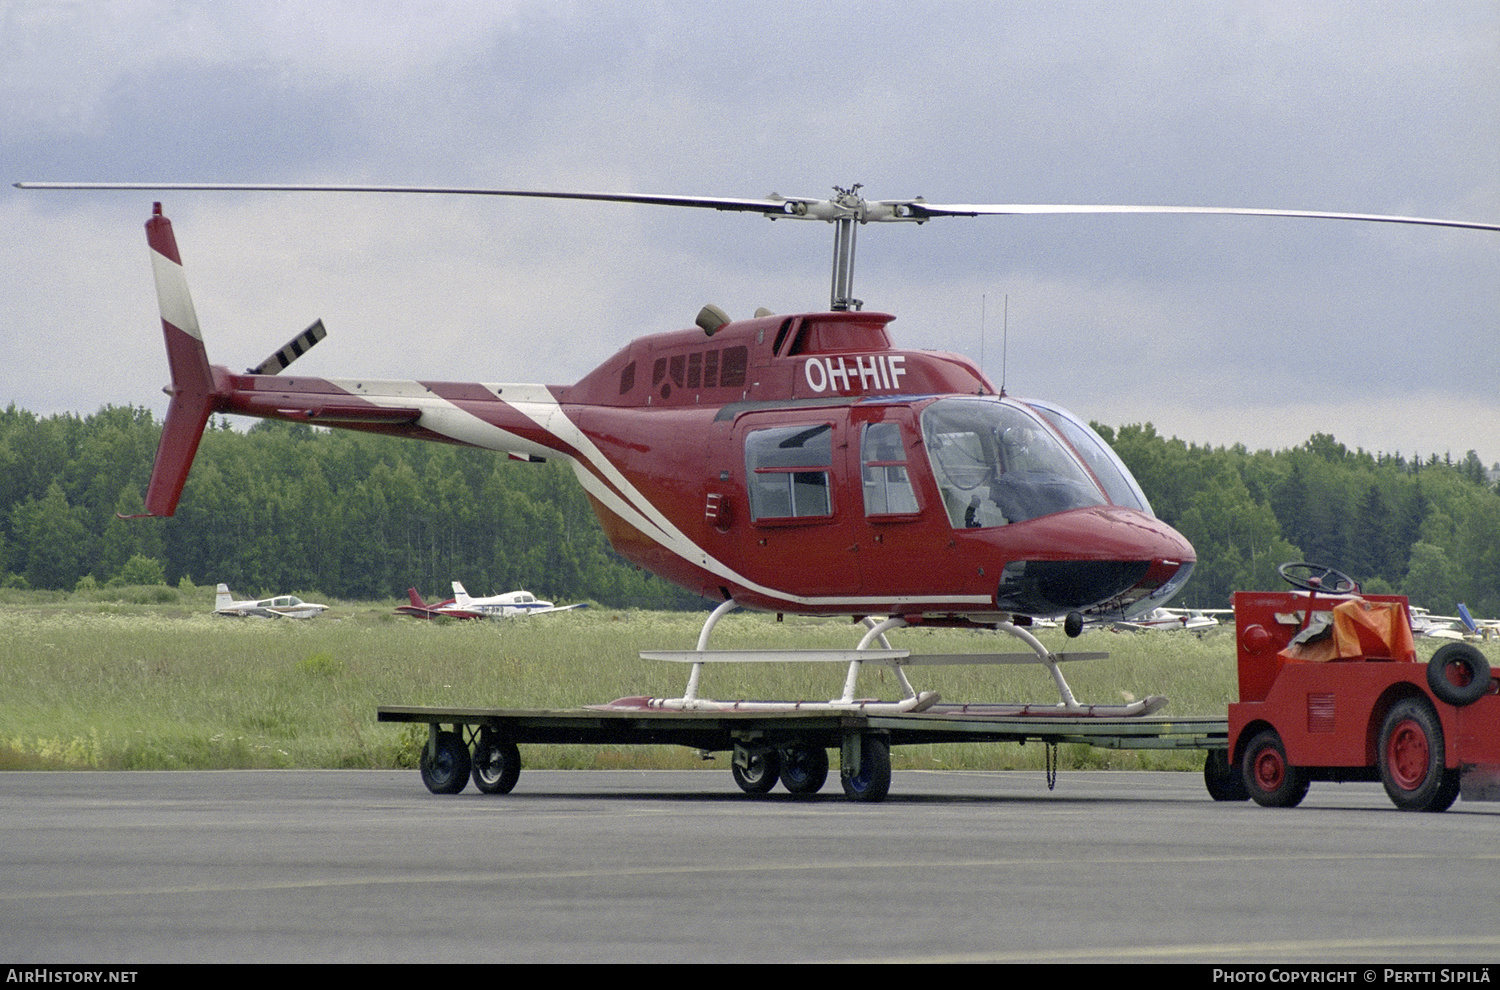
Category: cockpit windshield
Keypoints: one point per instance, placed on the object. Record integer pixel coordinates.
(997, 464)
(1101, 459)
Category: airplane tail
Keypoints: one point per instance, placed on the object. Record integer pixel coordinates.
(1468, 620)
(416, 599)
(193, 390)
(222, 597)
(460, 596)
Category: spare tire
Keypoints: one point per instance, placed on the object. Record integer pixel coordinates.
(1458, 674)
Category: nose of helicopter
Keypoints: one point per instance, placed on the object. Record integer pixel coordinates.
(1101, 561)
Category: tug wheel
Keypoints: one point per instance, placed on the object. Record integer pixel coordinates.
(1458, 674)
(445, 764)
(1269, 779)
(497, 764)
(1223, 781)
(759, 771)
(1411, 758)
(804, 768)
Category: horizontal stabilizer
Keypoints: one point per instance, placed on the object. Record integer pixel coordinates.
(295, 348)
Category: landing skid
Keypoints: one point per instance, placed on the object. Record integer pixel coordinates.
(912, 701)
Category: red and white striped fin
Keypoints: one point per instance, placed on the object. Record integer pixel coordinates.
(194, 395)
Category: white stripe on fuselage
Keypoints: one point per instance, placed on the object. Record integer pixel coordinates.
(620, 496)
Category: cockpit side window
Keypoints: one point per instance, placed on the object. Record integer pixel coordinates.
(886, 483)
(995, 464)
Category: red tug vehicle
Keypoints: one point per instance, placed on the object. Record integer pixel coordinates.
(1331, 688)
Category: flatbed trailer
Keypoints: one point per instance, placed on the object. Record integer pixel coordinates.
(790, 747)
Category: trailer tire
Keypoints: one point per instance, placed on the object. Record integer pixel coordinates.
(1458, 674)
(1412, 758)
(1269, 779)
(760, 770)
(804, 768)
(445, 764)
(873, 780)
(497, 764)
(1224, 782)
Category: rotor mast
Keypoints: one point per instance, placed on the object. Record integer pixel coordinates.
(841, 295)
(846, 210)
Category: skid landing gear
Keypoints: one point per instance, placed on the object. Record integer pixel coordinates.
(875, 649)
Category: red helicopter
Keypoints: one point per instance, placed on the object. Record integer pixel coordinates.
(787, 463)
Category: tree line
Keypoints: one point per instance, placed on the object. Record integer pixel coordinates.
(287, 508)
(1426, 529)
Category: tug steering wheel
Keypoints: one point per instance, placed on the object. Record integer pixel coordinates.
(1316, 577)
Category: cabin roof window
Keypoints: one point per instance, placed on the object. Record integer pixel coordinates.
(839, 337)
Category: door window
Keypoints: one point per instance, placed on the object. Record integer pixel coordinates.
(787, 468)
(884, 478)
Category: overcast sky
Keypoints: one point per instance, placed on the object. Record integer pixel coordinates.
(1218, 330)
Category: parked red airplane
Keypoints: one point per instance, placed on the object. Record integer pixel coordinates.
(448, 608)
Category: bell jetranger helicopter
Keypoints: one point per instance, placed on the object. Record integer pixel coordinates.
(786, 463)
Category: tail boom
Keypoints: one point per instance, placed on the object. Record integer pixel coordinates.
(520, 420)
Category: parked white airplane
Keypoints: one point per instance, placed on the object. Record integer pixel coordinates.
(1460, 626)
(506, 605)
(1197, 620)
(280, 607)
(1424, 623)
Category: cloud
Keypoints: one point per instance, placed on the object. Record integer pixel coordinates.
(1232, 329)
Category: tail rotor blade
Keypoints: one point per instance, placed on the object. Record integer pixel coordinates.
(295, 348)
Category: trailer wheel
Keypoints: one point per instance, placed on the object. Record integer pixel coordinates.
(497, 764)
(1269, 779)
(1223, 781)
(804, 768)
(445, 764)
(1411, 758)
(755, 771)
(872, 782)
(1458, 674)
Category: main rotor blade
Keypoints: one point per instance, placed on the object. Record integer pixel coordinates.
(923, 210)
(802, 207)
(772, 204)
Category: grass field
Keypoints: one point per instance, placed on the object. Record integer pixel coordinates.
(125, 680)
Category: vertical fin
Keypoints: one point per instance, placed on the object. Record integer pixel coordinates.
(194, 395)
